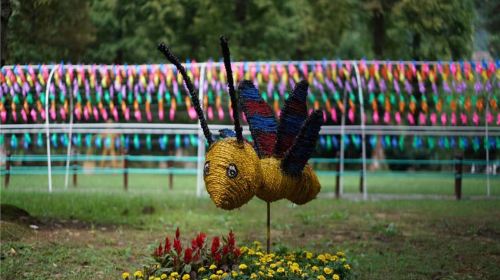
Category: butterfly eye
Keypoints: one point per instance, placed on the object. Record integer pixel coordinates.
(206, 168)
(232, 171)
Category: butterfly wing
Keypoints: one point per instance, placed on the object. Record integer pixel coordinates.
(260, 118)
(297, 156)
(292, 117)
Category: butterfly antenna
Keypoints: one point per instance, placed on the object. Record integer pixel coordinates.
(232, 92)
(194, 98)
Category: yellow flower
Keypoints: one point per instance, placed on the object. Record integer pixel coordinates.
(219, 272)
(269, 275)
(251, 252)
(327, 270)
(156, 278)
(234, 273)
(138, 274)
(346, 266)
(273, 265)
(336, 277)
(186, 277)
(201, 269)
(315, 268)
(224, 275)
(340, 254)
(212, 267)
(125, 275)
(243, 266)
(281, 270)
(261, 273)
(309, 255)
(163, 276)
(321, 277)
(322, 258)
(151, 278)
(174, 275)
(214, 277)
(253, 276)
(304, 275)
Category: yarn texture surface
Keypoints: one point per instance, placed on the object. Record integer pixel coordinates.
(226, 192)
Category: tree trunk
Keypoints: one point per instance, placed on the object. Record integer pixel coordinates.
(6, 11)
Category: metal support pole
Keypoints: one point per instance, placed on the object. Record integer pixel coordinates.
(342, 144)
(7, 170)
(125, 169)
(75, 172)
(268, 228)
(170, 176)
(47, 131)
(337, 178)
(362, 186)
(487, 145)
(68, 153)
(201, 139)
(458, 176)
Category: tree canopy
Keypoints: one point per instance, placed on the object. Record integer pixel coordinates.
(122, 31)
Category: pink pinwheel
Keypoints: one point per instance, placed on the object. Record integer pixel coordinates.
(95, 113)
(14, 116)
(397, 117)
(387, 117)
(126, 113)
(463, 118)
(3, 116)
(453, 118)
(104, 114)
(172, 114)
(53, 114)
(24, 116)
(161, 114)
(443, 119)
(475, 118)
(210, 113)
(78, 113)
(333, 113)
(351, 115)
(324, 116)
(422, 120)
(62, 113)
(137, 115)
(411, 119)
(220, 113)
(375, 117)
(489, 117)
(42, 114)
(433, 118)
(149, 116)
(114, 112)
(192, 113)
(498, 119)
(33, 115)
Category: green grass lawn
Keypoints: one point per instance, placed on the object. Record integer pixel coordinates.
(377, 182)
(97, 230)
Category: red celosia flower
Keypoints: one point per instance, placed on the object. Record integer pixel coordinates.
(177, 246)
(215, 245)
(160, 250)
(230, 239)
(237, 252)
(177, 233)
(200, 239)
(217, 258)
(188, 255)
(167, 246)
(194, 245)
(225, 250)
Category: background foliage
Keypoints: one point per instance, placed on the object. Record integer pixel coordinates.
(122, 31)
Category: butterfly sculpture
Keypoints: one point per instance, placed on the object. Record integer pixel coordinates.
(275, 166)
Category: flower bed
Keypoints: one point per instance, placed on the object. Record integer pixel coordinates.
(222, 259)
